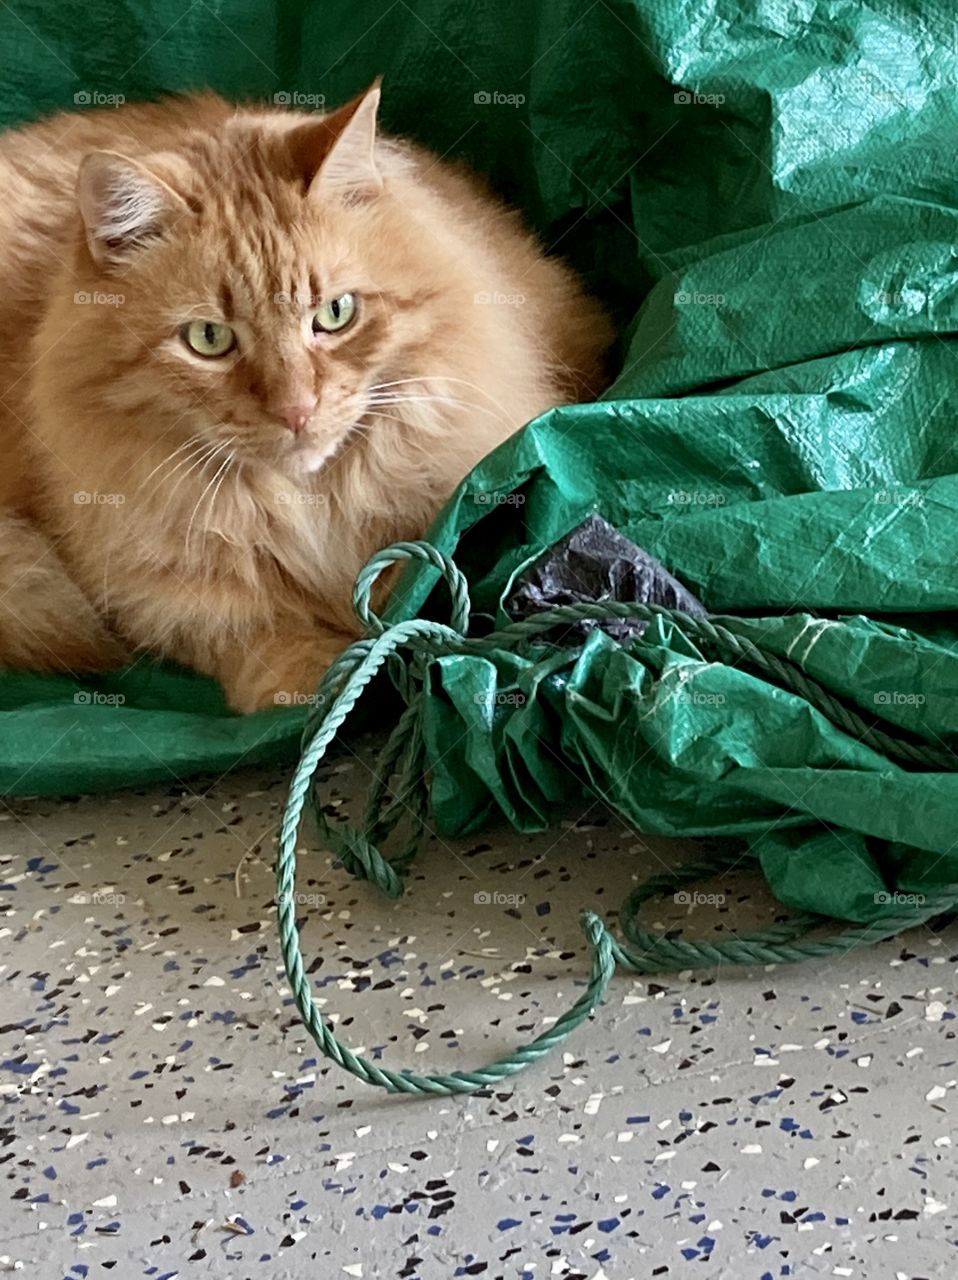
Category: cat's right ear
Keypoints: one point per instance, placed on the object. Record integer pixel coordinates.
(124, 207)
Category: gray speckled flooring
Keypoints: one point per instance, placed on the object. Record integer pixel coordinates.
(165, 1115)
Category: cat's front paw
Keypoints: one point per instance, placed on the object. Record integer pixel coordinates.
(284, 672)
(247, 697)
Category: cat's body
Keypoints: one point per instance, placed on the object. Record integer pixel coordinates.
(213, 506)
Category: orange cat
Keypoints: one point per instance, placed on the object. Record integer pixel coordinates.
(241, 349)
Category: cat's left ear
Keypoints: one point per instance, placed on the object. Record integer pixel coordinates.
(338, 152)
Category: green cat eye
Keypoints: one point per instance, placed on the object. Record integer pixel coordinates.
(335, 314)
(209, 338)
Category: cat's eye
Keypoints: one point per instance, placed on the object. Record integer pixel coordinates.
(335, 314)
(209, 338)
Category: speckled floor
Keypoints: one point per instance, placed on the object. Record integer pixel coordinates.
(165, 1115)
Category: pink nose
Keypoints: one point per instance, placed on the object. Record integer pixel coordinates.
(296, 416)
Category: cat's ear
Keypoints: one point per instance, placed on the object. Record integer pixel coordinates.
(337, 153)
(124, 206)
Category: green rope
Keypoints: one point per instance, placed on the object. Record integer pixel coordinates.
(404, 758)
(780, 943)
(718, 640)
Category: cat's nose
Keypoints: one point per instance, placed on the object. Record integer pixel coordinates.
(296, 416)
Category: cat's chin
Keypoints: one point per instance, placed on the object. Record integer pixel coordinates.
(309, 460)
(306, 458)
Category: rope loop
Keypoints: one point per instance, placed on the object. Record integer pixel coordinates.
(453, 576)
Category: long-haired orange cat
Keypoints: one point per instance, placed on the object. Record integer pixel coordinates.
(240, 350)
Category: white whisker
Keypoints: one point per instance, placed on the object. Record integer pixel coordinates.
(187, 444)
(212, 503)
(387, 417)
(506, 417)
(207, 455)
(445, 378)
(451, 401)
(222, 467)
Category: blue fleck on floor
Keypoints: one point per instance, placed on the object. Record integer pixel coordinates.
(165, 1115)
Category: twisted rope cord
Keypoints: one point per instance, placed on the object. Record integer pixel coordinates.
(454, 578)
(779, 943)
(404, 755)
(715, 638)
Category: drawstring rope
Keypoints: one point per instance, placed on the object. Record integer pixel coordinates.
(404, 758)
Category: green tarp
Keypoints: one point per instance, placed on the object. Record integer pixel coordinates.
(767, 197)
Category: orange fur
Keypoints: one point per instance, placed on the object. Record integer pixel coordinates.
(154, 498)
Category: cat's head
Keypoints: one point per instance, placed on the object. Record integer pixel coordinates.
(271, 280)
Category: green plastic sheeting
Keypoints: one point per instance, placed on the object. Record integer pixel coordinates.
(767, 197)
(146, 724)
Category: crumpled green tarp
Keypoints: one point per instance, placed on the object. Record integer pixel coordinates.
(767, 196)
